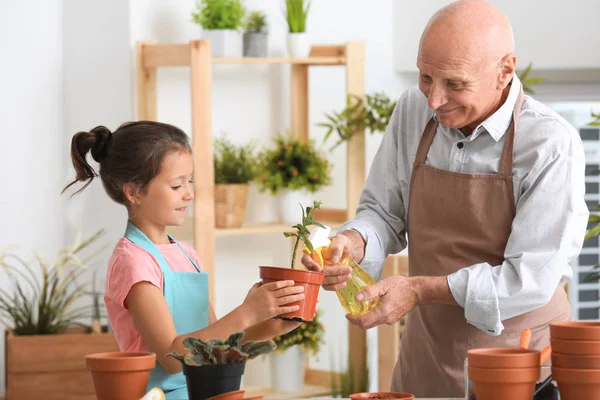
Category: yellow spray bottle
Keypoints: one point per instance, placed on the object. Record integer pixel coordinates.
(319, 238)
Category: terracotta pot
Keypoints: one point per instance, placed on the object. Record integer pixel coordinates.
(311, 281)
(575, 330)
(230, 205)
(502, 384)
(120, 375)
(577, 384)
(571, 361)
(382, 395)
(235, 395)
(254, 398)
(576, 347)
(503, 358)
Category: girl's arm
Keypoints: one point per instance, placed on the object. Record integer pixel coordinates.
(153, 319)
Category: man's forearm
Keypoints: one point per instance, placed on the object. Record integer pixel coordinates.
(433, 290)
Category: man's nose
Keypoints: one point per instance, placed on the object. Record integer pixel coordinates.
(437, 97)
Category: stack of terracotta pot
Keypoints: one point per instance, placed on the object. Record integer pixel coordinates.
(504, 373)
(576, 359)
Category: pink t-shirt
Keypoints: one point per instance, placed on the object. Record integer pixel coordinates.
(128, 265)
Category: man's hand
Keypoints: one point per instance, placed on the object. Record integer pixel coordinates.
(398, 295)
(347, 242)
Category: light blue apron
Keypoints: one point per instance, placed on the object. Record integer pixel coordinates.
(186, 294)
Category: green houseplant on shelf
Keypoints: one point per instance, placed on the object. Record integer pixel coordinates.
(40, 309)
(293, 169)
(288, 362)
(235, 167)
(221, 21)
(256, 35)
(594, 218)
(214, 366)
(296, 14)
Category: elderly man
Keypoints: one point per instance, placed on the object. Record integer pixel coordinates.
(488, 184)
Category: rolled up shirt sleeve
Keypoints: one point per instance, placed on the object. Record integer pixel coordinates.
(547, 233)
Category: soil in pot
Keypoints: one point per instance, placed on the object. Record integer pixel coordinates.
(577, 384)
(503, 358)
(575, 330)
(120, 375)
(382, 395)
(502, 384)
(212, 380)
(311, 281)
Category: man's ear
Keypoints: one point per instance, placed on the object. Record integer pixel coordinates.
(508, 66)
(132, 193)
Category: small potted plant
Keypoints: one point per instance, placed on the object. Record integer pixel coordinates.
(288, 362)
(221, 20)
(293, 169)
(309, 279)
(296, 12)
(235, 168)
(256, 35)
(215, 366)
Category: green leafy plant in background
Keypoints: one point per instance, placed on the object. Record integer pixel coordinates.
(373, 113)
(296, 12)
(256, 22)
(594, 218)
(528, 82)
(218, 352)
(292, 164)
(219, 14)
(348, 382)
(595, 121)
(302, 233)
(234, 164)
(309, 336)
(43, 304)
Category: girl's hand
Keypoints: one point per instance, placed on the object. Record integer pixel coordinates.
(265, 301)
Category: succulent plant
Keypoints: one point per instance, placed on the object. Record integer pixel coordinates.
(302, 233)
(216, 351)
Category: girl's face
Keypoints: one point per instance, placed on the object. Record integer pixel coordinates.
(165, 201)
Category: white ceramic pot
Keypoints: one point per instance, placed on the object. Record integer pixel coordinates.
(224, 42)
(290, 211)
(298, 45)
(287, 370)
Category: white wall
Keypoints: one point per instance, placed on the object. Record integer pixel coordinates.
(30, 139)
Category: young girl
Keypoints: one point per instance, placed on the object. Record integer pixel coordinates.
(156, 293)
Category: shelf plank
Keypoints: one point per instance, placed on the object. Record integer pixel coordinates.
(307, 392)
(178, 55)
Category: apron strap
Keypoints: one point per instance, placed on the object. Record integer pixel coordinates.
(506, 160)
(426, 141)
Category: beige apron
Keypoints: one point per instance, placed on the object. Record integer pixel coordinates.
(456, 220)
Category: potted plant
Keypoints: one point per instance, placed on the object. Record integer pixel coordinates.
(296, 12)
(256, 35)
(373, 113)
(294, 169)
(309, 279)
(220, 20)
(45, 340)
(215, 366)
(289, 360)
(235, 168)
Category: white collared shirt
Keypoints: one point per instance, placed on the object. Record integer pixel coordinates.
(549, 188)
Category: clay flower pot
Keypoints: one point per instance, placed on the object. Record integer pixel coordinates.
(576, 347)
(120, 375)
(503, 358)
(575, 330)
(577, 384)
(311, 281)
(570, 361)
(502, 384)
(235, 395)
(382, 395)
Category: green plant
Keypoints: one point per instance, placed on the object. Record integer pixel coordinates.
(44, 304)
(372, 114)
(302, 233)
(256, 22)
(527, 82)
(595, 121)
(234, 164)
(347, 382)
(308, 336)
(219, 14)
(292, 164)
(594, 218)
(217, 352)
(296, 12)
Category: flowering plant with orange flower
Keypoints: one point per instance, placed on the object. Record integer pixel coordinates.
(292, 164)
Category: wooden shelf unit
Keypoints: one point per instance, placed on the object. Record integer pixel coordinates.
(197, 55)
